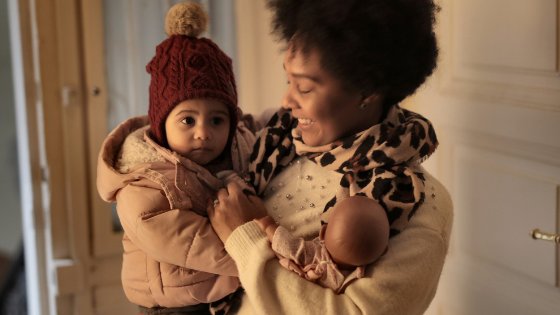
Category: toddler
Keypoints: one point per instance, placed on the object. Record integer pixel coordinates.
(162, 169)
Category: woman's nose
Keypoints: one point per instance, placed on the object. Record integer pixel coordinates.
(288, 102)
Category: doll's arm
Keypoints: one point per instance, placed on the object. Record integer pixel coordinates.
(307, 258)
(285, 245)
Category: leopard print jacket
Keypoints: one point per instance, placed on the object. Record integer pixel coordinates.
(381, 162)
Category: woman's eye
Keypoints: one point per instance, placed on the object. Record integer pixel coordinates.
(188, 121)
(304, 90)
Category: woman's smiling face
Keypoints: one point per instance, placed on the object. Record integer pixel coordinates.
(326, 110)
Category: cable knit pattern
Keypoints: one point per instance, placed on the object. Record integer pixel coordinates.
(183, 68)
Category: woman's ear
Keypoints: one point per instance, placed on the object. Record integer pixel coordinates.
(372, 99)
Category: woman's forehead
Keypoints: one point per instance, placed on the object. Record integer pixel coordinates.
(308, 60)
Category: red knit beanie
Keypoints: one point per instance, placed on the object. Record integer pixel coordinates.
(187, 67)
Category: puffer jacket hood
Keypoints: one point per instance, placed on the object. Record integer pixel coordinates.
(112, 177)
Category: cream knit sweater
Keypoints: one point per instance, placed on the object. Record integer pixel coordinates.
(403, 281)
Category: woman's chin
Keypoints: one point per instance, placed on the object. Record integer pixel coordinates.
(311, 139)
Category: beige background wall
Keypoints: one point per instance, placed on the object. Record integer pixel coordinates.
(261, 78)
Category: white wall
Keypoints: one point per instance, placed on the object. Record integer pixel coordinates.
(261, 79)
(10, 210)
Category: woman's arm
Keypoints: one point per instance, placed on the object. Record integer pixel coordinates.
(175, 236)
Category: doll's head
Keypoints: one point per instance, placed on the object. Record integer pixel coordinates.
(353, 236)
(193, 100)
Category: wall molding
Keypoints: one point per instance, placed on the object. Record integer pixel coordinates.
(518, 86)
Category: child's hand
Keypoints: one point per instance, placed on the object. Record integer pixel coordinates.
(234, 206)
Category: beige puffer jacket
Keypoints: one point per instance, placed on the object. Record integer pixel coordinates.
(172, 256)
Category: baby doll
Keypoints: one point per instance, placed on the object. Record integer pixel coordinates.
(162, 169)
(344, 246)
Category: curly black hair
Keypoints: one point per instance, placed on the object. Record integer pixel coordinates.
(383, 46)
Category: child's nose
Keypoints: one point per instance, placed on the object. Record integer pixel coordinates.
(202, 132)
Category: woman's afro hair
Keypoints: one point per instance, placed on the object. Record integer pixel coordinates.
(385, 46)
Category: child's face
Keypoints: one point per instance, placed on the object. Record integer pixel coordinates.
(198, 129)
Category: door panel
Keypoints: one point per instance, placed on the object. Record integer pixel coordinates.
(495, 101)
(511, 197)
(523, 37)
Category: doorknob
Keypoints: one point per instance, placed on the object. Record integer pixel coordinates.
(540, 235)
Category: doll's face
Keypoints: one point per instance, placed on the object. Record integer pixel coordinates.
(198, 129)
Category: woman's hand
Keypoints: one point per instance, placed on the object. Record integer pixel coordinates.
(234, 207)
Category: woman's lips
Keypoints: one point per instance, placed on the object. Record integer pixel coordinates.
(305, 123)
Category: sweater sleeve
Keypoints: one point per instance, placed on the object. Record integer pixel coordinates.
(175, 236)
(403, 281)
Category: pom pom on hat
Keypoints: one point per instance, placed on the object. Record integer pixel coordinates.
(187, 18)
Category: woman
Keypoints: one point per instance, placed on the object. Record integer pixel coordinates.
(341, 135)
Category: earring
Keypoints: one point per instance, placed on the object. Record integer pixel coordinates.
(363, 105)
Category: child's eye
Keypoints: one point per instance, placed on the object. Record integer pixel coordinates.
(188, 121)
(216, 121)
